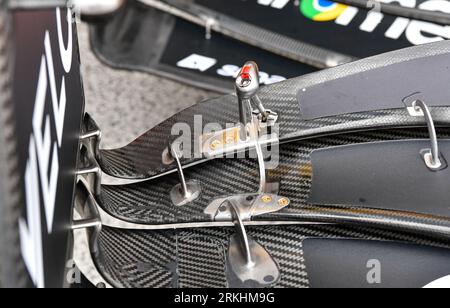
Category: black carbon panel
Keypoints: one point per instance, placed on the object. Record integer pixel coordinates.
(149, 202)
(197, 258)
(143, 158)
(138, 259)
(201, 261)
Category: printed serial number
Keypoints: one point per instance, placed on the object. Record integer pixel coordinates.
(244, 298)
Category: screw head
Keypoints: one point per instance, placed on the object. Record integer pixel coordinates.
(215, 144)
(283, 202)
(245, 82)
(266, 199)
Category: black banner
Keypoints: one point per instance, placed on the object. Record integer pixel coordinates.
(49, 101)
(142, 38)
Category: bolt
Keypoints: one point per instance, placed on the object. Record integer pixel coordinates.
(266, 199)
(215, 144)
(283, 202)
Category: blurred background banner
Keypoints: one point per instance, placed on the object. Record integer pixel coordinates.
(142, 37)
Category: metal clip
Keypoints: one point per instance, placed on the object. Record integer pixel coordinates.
(186, 191)
(87, 212)
(88, 166)
(430, 156)
(250, 205)
(228, 141)
(86, 229)
(251, 124)
(252, 134)
(249, 260)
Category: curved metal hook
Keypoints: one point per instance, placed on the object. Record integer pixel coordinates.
(240, 228)
(186, 191)
(431, 158)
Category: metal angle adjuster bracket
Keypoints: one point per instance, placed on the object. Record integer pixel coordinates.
(87, 224)
(249, 260)
(88, 166)
(250, 205)
(256, 125)
(88, 182)
(228, 141)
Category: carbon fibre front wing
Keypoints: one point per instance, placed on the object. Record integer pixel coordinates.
(142, 238)
(371, 94)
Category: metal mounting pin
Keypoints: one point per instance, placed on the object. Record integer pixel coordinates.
(209, 24)
(431, 156)
(249, 260)
(186, 191)
(88, 162)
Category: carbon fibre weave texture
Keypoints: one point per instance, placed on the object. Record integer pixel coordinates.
(197, 258)
(143, 157)
(149, 202)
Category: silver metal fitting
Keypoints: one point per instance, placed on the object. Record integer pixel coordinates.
(186, 191)
(431, 156)
(250, 205)
(88, 166)
(248, 259)
(247, 87)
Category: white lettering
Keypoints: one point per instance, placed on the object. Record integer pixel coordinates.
(41, 151)
(276, 4)
(436, 33)
(43, 148)
(31, 236)
(66, 54)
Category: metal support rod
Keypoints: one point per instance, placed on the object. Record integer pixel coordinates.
(262, 168)
(434, 162)
(257, 101)
(209, 23)
(243, 117)
(184, 189)
(87, 171)
(247, 86)
(92, 134)
(240, 228)
(248, 259)
(84, 224)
